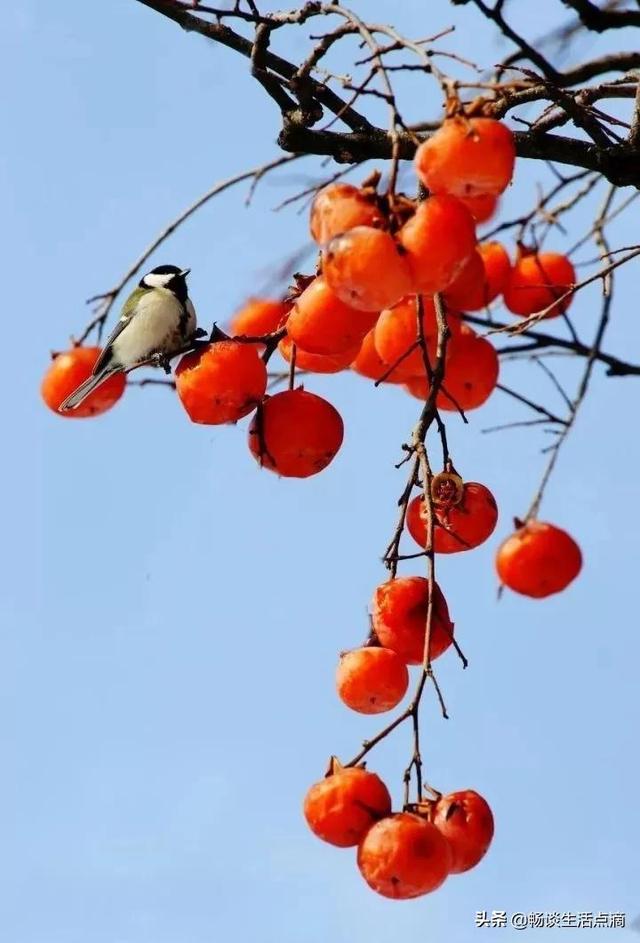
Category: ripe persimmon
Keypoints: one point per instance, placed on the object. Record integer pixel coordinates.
(497, 268)
(465, 819)
(482, 207)
(438, 239)
(366, 268)
(471, 371)
(65, 374)
(340, 207)
(537, 280)
(468, 290)
(343, 806)
(399, 617)
(321, 323)
(296, 433)
(404, 856)
(221, 382)
(368, 362)
(318, 363)
(396, 332)
(461, 527)
(259, 316)
(538, 560)
(372, 679)
(467, 157)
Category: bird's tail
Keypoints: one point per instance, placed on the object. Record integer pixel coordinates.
(85, 389)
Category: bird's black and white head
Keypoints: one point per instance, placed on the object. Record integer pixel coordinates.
(170, 277)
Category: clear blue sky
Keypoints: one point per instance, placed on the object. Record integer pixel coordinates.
(171, 615)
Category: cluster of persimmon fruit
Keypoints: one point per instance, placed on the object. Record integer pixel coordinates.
(369, 308)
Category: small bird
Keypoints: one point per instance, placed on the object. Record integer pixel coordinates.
(158, 320)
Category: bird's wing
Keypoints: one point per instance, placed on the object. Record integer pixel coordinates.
(128, 312)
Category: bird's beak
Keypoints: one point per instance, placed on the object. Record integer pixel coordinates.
(184, 273)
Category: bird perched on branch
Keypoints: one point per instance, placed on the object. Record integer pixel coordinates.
(158, 320)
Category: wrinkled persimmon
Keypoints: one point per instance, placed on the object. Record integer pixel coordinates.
(340, 207)
(438, 239)
(321, 323)
(404, 856)
(65, 374)
(372, 679)
(399, 617)
(467, 157)
(471, 371)
(259, 316)
(222, 382)
(343, 806)
(539, 281)
(465, 819)
(318, 363)
(538, 560)
(296, 433)
(461, 527)
(366, 268)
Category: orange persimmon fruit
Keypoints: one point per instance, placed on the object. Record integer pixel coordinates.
(295, 433)
(404, 856)
(465, 819)
(438, 239)
(65, 374)
(461, 527)
(339, 207)
(399, 615)
(371, 679)
(342, 807)
(221, 382)
(537, 281)
(467, 157)
(366, 268)
(321, 323)
(539, 559)
(471, 371)
(259, 316)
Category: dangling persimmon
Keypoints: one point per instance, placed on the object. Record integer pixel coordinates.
(497, 268)
(65, 374)
(538, 560)
(296, 433)
(340, 207)
(465, 819)
(343, 806)
(259, 316)
(371, 679)
(471, 371)
(395, 336)
(321, 323)
(366, 268)
(463, 526)
(404, 856)
(438, 239)
(368, 362)
(222, 382)
(537, 280)
(467, 157)
(399, 615)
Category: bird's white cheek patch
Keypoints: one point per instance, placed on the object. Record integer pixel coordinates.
(157, 281)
